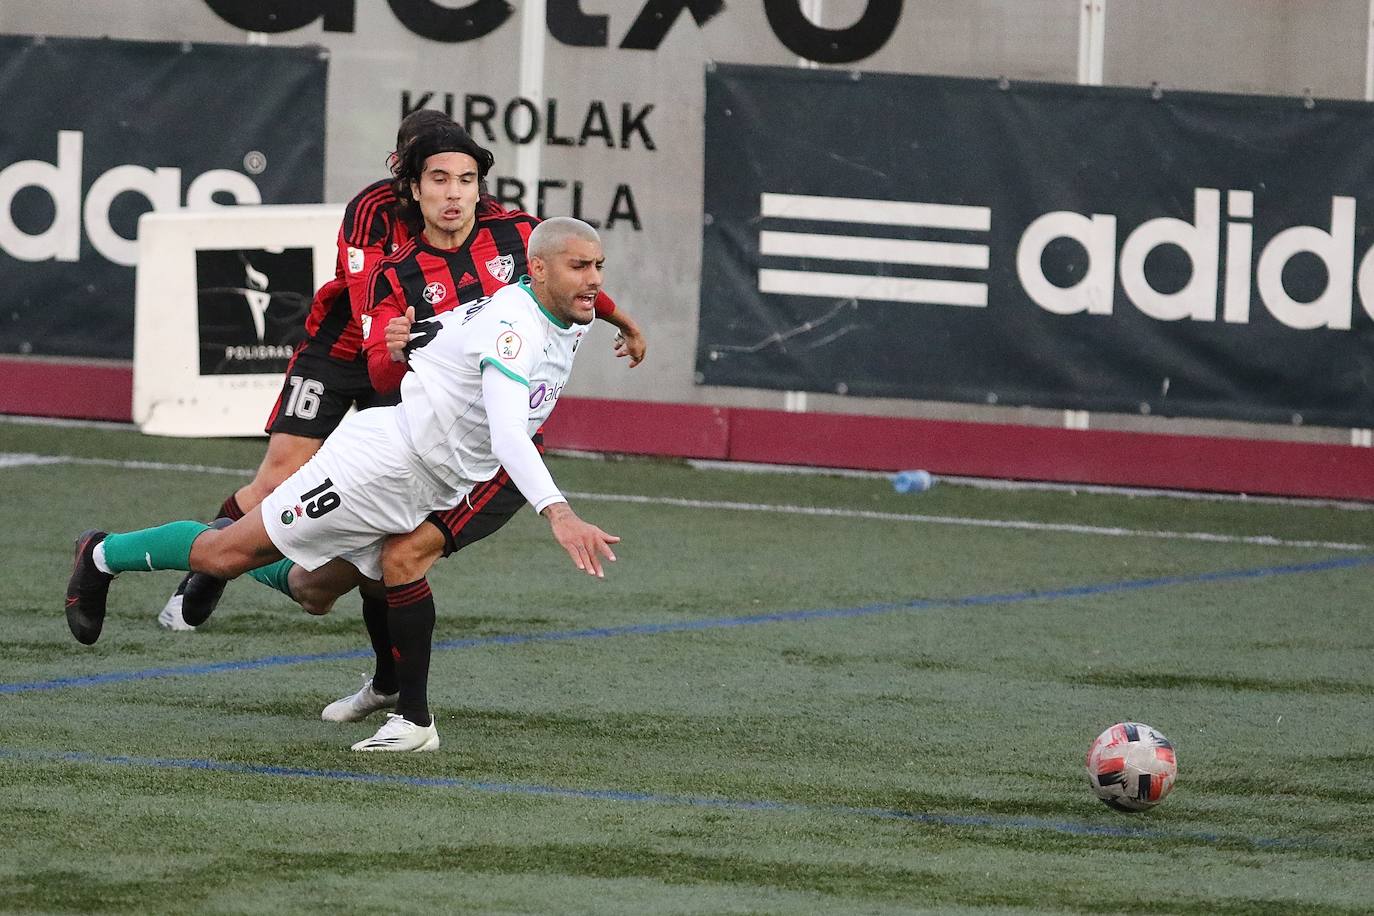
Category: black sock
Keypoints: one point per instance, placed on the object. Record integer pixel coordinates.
(375, 612)
(410, 618)
(230, 508)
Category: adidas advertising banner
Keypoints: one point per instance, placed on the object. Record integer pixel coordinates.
(99, 132)
(1059, 246)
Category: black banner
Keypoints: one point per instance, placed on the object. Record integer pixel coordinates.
(252, 307)
(1183, 254)
(98, 132)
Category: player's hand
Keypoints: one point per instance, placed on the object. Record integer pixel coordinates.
(631, 343)
(583, 541)
(398, 335)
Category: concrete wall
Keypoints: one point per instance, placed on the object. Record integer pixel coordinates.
(1265, 46)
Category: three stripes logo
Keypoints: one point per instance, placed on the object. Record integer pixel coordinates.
(788, 253)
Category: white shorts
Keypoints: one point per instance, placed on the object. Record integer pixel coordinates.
(357, 489)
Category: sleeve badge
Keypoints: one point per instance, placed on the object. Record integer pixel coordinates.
(508, 345)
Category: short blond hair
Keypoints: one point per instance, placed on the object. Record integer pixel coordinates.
(552, 235)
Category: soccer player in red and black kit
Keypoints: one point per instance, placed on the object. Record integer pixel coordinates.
(439, 175)
(328, 373)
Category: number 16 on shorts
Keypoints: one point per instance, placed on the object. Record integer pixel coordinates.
(304, 400)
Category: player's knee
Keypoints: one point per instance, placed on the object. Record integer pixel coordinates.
(316, 604)
(310, 596)
(317, 590)
(252, 494)
(285, 455)
(270, 476)
(408, 559)
(312, 599)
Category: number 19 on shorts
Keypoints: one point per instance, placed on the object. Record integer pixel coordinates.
(321, 499)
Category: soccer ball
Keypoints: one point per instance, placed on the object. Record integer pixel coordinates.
(1131, 767)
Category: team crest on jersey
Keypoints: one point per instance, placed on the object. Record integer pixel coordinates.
(435, 292)
(287, 517)
(508, 345)
(355, 259)
(502, 268)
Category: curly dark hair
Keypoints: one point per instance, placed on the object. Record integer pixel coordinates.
(432, 139)
(411, 125)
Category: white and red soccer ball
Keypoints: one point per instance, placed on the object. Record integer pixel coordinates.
(1131, 767)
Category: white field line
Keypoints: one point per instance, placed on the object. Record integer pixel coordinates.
(12, 459)
(993, 483)
(981, 483)
(1263, 540)
(63, 422)
(21, 459)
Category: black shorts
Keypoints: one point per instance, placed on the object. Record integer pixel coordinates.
(484, 511)
(318, 390)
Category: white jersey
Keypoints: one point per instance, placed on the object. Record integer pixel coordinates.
(444, 419)
(384, 469)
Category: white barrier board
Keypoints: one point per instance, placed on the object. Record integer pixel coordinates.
(173, 396)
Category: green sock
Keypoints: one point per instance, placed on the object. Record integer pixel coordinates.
(164, 547)
(274, 575)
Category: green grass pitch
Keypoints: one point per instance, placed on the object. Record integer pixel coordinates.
(880, 707)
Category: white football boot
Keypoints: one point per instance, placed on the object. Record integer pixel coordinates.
(358, 706)
(169, 617)
(401, 734)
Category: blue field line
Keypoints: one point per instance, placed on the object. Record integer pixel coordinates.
(993, 821)
(709, 623)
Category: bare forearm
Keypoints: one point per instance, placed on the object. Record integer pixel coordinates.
(622, 322)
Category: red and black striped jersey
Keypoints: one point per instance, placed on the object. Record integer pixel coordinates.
(369, 232)
(435, 280)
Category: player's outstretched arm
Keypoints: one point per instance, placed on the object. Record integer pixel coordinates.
(630, 341)
(583, 541)
(507, 404)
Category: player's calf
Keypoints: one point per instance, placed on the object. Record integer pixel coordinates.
(229, 552)
(185, 545)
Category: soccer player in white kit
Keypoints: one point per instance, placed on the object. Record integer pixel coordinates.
(484, 380)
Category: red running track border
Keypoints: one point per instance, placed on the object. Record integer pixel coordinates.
(43, 387)
(59, 388)
(1131, 459)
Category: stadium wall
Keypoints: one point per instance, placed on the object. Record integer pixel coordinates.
(619, 100)
(1039, 453)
